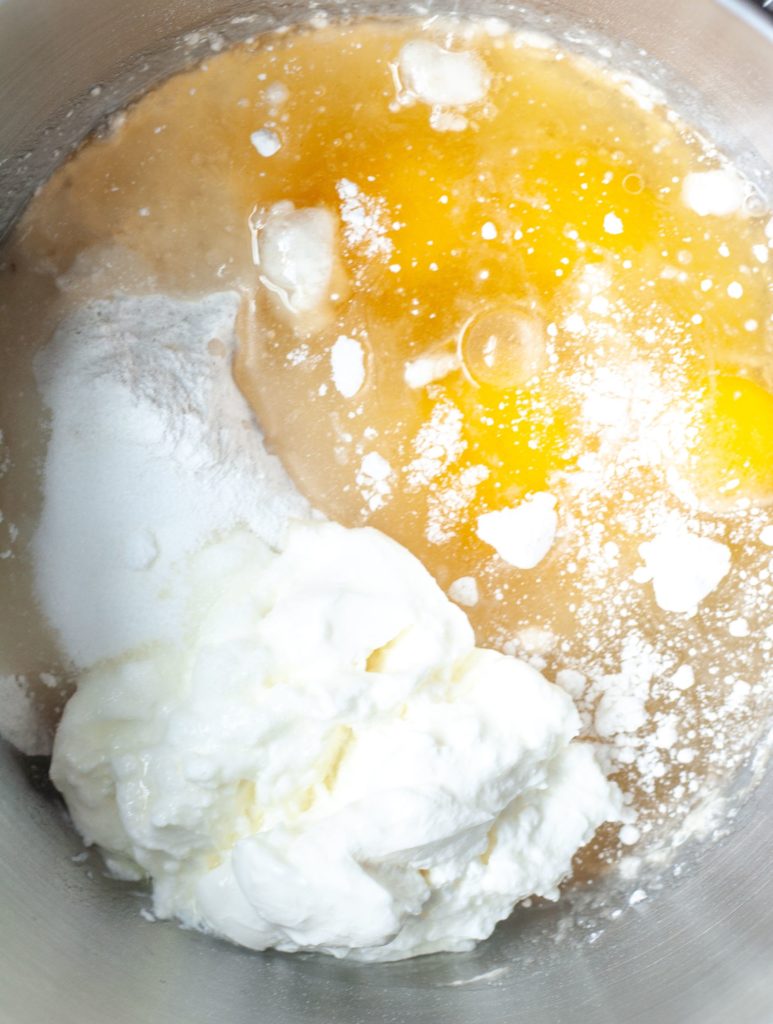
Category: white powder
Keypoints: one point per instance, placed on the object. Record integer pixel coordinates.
(739, 628)
(365, 220)
(374, 480)
(427, 369)
(645, 95)
(684, 677)
(533, 39)
(464, 591)
(622, 710)
(347, 358)
(153, 451)
(298, 355)
(633, 412)
(666, 733)
(524, 534)
(613, 225)
(614, 707)
(683, 567)
(738, 695)
(266, 142)
(438, 443)
(296, 253)
(629, 834)
(572, 682)
(440, 77)
(575, 324)
(716, 193)
(443, 120)
(447, 504)
(766, 536)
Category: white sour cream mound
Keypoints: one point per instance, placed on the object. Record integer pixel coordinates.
(324, 760)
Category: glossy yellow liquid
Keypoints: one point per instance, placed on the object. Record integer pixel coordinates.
(602, 340)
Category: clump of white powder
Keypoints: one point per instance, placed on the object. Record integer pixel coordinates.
(439, 77)
(153, 450)
(374, 479)
(613, 225)
(632, 412)
(266, 142)
(438, 443)
(717, 193)
(365, 220)
(347, 359)
(425, 370)
(521, 535)
(447, 502)
(572, 681)
(296, 253)
(683, 567)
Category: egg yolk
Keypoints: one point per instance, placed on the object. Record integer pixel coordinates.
(730, 448)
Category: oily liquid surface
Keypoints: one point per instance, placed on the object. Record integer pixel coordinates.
(603, 342)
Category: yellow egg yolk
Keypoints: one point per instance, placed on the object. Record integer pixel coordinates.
(729, 454)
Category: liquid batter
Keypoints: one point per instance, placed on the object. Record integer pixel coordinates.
(541, 358)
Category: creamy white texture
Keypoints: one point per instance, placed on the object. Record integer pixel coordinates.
(153, 450)
(325, 761)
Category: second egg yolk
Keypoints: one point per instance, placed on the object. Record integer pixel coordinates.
(730, 451)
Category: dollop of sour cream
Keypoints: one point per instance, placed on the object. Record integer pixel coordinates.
(323, 760)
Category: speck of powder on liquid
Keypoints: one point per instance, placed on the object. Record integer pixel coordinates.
(365, 220)
(266, 142)
(374, 479)
(347, 359)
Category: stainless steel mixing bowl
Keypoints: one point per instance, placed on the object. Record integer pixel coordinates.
(73, 946)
